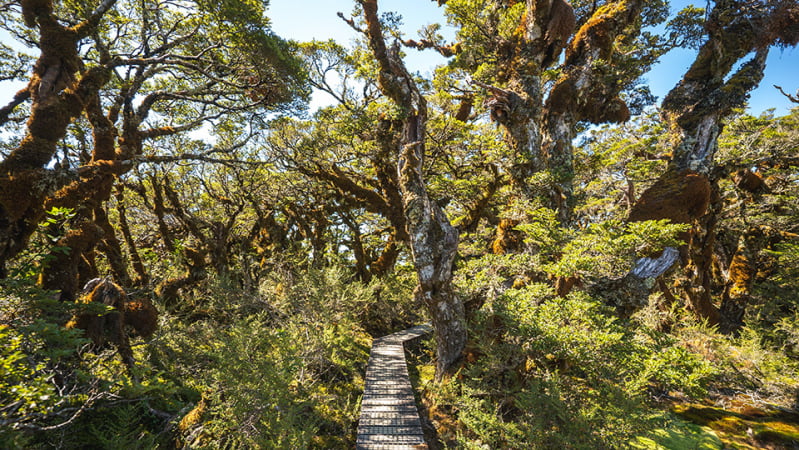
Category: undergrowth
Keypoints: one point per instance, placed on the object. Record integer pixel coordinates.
(280, 367)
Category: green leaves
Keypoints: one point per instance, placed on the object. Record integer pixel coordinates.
(606, 248)
(563, 372)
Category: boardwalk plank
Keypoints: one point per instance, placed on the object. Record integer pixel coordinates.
(389, 417)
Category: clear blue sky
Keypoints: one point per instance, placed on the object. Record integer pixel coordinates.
(303, 20)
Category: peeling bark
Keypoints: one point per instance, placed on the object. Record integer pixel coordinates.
(631, 292)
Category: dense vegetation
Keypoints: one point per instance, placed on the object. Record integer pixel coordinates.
(191, 258)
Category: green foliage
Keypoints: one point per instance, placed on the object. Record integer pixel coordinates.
(268, 342)
(563, 373)
(39, 253)
(48, 381)
(21, 384)
(282, 367)
(606, 248)
(686, 28)
(33, 344)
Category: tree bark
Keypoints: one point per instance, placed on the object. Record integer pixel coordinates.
(696, 108)
(24, 181)
(133, 251)
(582, 93)
(434, 241)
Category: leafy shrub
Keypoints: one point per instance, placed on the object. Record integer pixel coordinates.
(554, 372)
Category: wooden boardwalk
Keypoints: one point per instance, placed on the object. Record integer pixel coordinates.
(389, 418)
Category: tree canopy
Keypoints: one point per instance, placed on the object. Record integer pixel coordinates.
(190, 256)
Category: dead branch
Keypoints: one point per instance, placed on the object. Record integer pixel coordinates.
(793, 98)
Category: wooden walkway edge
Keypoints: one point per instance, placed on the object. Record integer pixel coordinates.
(389, 418)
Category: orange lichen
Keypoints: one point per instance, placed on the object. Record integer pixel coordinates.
(142, 316)
(387, 258)
(741, 274)
(193, 417)
(507, 239)
(597, 33)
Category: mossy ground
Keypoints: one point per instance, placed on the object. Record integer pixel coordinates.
(744, 426)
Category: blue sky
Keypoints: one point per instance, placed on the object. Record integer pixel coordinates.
(303, 20)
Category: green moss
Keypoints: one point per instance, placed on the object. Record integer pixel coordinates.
(778, 432)
(679, 435)
(729, 425)
(742, 430)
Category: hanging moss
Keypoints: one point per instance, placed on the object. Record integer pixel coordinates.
(680, 196)
(141, 315)
(563, 96)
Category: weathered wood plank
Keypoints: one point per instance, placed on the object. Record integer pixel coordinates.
(389, 417)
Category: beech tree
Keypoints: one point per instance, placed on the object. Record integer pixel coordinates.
(182, 73)
(434, 241)
(696, 110)
(513, 51)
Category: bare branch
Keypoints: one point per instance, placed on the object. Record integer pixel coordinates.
(424, 44)
(156, 159)
(86, 27)
(793, 98)
(85, 407)
(351, 23)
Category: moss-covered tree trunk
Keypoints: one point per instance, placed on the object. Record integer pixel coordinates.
(584, 92)
(434, 241)
(58, 94)
(696, 109)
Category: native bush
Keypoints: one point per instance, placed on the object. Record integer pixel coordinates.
(552, 372)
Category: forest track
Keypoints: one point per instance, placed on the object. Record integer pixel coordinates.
(389, 418)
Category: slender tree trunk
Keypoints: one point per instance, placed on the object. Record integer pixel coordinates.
(133, 251)
(160, 211)
(111, 247)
